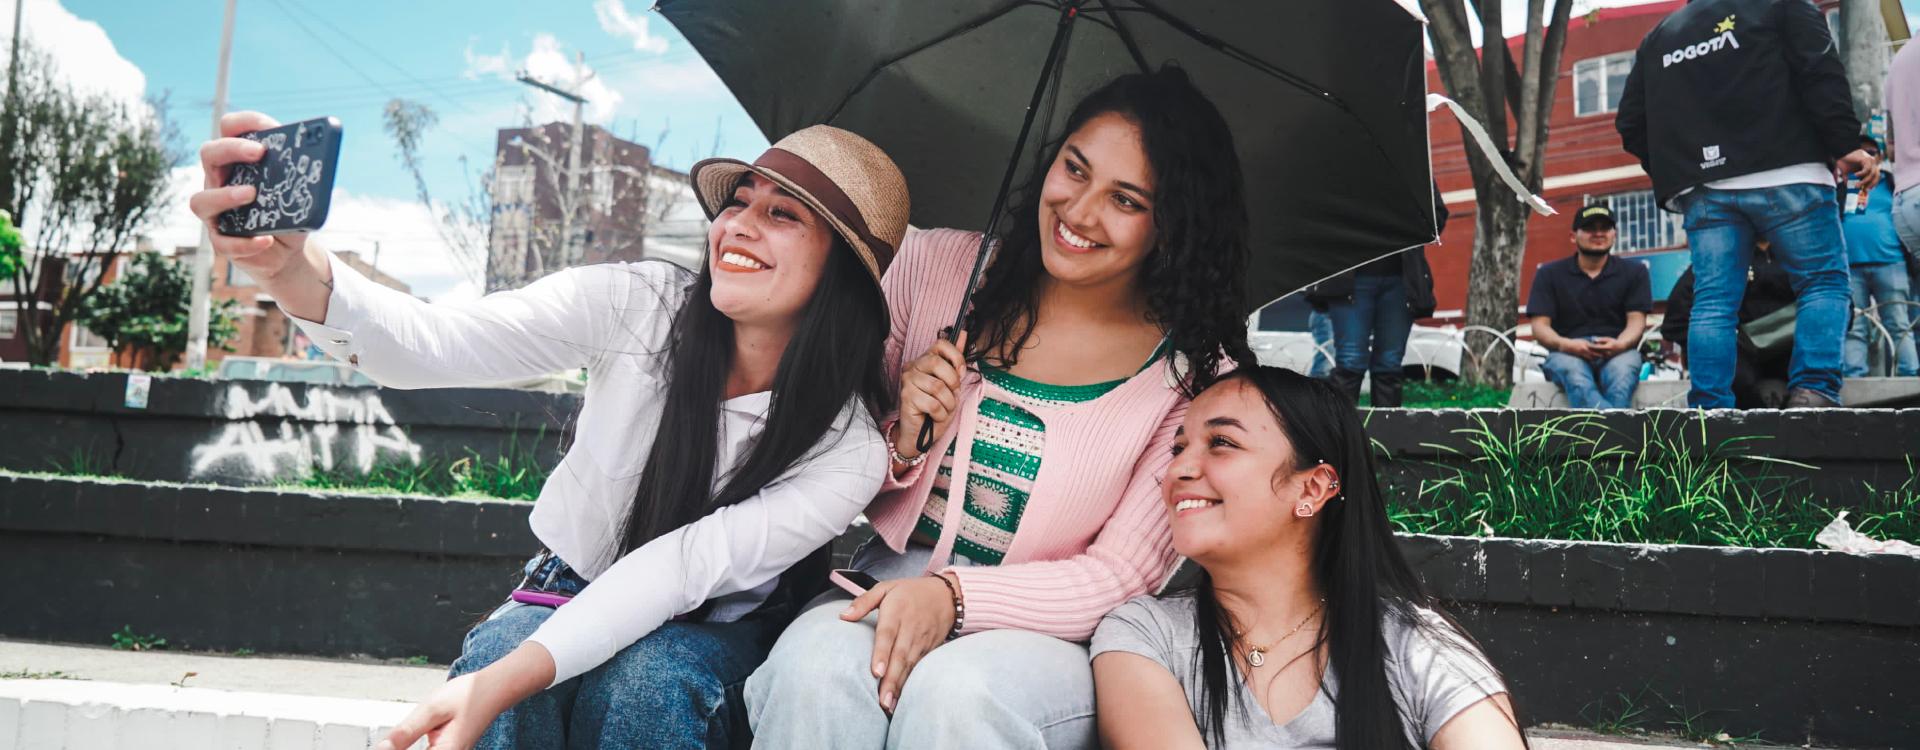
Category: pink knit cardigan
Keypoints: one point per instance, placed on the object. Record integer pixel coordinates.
(1095, 532)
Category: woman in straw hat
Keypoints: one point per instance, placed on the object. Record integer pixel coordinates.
(1037, 509)
(728, 433)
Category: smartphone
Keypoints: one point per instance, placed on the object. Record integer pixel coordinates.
(294, 178)
(540, 598)
(854, 581)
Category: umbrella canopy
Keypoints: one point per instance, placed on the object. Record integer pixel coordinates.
(1326, 99)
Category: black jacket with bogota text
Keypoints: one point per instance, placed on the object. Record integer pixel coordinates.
(1724, 88)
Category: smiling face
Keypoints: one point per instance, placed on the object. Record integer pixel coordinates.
(1232, 488)
(1096, 206)
(767, 250)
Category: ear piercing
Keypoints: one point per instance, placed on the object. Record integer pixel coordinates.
(1304, 509)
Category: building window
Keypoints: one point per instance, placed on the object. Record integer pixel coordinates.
(237, 277)
(602, 199)
(1598, 83)
(1643, 226)
(85, 339)
(9, 323)
(513, 186)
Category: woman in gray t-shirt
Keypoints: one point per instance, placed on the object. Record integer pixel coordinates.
(1305, 627)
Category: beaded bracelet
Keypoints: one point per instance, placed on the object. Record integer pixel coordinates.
(959, 607)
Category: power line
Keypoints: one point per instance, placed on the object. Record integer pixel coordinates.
(328, 47)
(376, 53)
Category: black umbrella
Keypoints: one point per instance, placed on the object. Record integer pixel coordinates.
(1326, 99)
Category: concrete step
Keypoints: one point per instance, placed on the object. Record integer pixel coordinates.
(1858, 393)
(59, 697)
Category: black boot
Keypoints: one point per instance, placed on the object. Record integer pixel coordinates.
(1386, 390)
(1348, 381)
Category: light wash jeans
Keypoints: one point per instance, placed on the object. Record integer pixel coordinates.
(678, 687)
(1803, 223)
(1883, 284)
(1322, 328)
(1608, 384)
(997, 689)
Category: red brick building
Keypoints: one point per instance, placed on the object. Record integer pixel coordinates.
(1585, 161)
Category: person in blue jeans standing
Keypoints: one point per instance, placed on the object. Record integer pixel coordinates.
(1878, 271)
(1741, 113)
(1590, 310)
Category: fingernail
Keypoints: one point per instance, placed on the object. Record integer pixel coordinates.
(240, 191)
(886, 701)
(880, 669)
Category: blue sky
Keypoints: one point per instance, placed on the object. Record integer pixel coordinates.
(296, 59)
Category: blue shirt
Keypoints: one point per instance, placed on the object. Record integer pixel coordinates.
(1582, 306)
(1870, 235)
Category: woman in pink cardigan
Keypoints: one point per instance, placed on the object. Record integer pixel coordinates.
(1113, 299)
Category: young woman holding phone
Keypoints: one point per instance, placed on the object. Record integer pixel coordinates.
(727, 433)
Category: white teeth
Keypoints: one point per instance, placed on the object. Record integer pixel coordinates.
(742, 261)
(1074, 239)
(1193, 503)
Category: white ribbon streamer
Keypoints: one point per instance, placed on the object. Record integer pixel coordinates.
(1487, 149)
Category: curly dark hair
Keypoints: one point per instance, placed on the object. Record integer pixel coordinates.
(1192, 277)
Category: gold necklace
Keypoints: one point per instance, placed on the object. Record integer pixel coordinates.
(1257, 655)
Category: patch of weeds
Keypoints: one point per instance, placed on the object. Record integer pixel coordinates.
(1619, 714)
(415, 661)
(127, 640)
(243, 652)
(513, 474)
(1448, 394)
(1690, 725)
(1572, 478)
(28, 674)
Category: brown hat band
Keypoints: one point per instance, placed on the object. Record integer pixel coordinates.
(809, 178)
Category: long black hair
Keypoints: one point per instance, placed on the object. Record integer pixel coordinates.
(1355, 561)
(834, 354)
(1192, 277)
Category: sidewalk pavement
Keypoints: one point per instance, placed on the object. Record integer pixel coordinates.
(83, 698)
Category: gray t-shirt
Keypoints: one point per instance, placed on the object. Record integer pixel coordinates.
(1433, 679)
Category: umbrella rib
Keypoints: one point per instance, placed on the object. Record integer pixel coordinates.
(1126, 37)
(984, 19)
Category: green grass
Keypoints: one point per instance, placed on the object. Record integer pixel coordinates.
(1676, 489)
(512, 476)
(1449, 394)
(127, 640)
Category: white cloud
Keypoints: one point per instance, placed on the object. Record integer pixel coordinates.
(410, 248)
(615, 20)
(691, 77)
(548, 61)
(84, 55)
(484, 66)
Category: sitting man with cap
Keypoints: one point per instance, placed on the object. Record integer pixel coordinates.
(1590, 311)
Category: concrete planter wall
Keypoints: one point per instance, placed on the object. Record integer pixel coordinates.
(1794, 645)
(249, 432)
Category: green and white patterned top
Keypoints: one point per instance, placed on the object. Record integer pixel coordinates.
(1006, 458)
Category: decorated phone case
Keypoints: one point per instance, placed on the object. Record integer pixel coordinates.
(294, 178)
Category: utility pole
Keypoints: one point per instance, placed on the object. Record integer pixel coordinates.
(198, 311)
(571, 203)
(13, 116)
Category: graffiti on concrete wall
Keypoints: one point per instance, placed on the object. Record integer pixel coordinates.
(279, 436)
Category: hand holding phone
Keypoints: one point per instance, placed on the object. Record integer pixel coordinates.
(293, 180)
(852, 581)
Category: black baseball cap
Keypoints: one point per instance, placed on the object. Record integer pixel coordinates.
(1592, 215)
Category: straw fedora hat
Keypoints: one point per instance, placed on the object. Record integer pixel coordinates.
(843, 177)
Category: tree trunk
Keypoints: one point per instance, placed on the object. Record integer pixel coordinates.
(1493, 284)
(1863, 50)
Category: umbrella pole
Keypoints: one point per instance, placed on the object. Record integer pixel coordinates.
(1068, 12)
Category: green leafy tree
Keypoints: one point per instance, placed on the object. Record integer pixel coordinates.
(144, 312)
(9, 246)
(83, 174)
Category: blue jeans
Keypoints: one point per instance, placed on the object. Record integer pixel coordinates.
(678, 687)
(1883, 284)
(1607, 384)
(1370, 331)
(1322, 328)
(1803, 224)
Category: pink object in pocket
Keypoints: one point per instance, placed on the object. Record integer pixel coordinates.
(540, 598)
